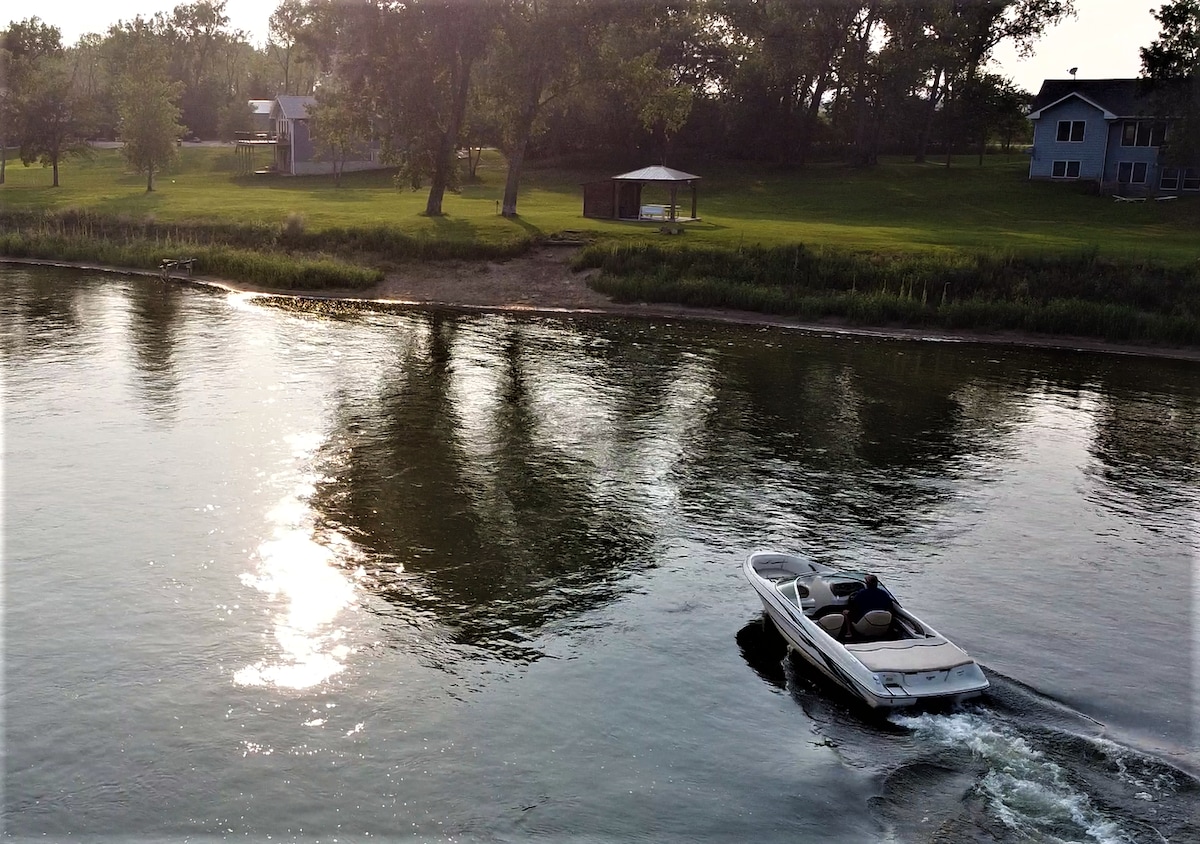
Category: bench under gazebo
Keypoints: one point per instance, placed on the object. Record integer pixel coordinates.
(620, 198)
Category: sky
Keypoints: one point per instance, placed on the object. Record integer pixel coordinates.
(1103, 41)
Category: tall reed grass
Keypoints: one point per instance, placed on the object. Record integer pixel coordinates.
(379, 243)
(1084, 295)
(278, 271)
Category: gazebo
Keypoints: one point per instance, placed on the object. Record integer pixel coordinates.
(620, 198)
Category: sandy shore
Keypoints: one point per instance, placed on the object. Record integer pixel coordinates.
(543, 282)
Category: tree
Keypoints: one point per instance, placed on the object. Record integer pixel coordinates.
(1172, 64)
(285, 45)
(51, 117)
(992, 105)
(338, 124)
(412, 63)
(7, 97)
(22, 46)
(148, 117)
(536, 56)
(202, 52)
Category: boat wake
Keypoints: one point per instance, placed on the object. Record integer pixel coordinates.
(1014, 767)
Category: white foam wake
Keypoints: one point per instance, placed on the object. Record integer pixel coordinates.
(1028, 792)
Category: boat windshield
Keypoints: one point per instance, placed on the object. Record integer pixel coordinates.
(827, 590)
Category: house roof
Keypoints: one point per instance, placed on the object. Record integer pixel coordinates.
(657, 173)
(294, 108)
(261, 106)
(1115, 97)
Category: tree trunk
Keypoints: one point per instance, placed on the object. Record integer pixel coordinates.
(522, 131)
(54, 164)
(862, 125)
(448, 151)
(149, 178)
(948, 136)
(930, 112)
(863, 95)
(512, 181)
(811, 113)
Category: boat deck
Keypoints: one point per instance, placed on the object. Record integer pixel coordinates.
(909, 655)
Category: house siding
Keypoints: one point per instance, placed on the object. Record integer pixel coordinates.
(1089, 152)
(305, 149)
(1134, 155)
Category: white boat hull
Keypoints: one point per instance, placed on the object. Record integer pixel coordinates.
(922, 669)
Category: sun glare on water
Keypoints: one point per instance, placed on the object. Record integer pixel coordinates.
(310, 586)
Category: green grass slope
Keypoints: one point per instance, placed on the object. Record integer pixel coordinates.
(897, 206)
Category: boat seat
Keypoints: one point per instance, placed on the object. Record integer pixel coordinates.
(874, 623)
(832, 623)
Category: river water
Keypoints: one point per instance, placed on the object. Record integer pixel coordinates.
(322, 573)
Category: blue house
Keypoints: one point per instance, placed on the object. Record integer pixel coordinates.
(1105, 131)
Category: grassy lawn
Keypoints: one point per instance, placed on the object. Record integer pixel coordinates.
(897, 207)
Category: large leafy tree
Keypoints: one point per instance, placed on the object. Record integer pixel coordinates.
(212, 62)
(538, 54)
(148, 115)
(23, 46)
(956, 40)
(411, 62)
(51, 117)
(288, 26)
(1172, 64)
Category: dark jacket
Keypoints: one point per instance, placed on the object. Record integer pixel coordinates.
(867, 599)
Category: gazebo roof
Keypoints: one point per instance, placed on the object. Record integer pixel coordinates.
(657, 173)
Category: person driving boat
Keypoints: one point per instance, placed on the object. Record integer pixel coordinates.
(870, 598)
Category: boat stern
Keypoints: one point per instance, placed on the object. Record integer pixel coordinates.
(950, 685)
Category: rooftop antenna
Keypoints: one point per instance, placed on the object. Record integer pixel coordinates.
(1073, 71)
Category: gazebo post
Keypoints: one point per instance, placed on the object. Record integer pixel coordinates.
(674, 194)
(693, 200)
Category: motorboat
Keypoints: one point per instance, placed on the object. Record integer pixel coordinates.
(886, 659)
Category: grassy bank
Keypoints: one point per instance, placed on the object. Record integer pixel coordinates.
(897, 207)
(287, 256)
(1084, 294)
(280, 272)
(962, 247)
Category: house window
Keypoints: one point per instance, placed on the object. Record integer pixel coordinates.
(1070, 131)
(1191, 178)
(1143, 133)
(1131, 172)
(1169, 179)
(1065, 170)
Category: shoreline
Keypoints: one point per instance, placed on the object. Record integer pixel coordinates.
(543, 283)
